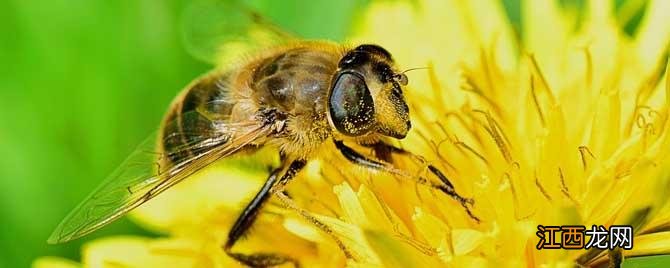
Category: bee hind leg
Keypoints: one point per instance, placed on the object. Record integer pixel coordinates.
(290, 204)
(249, 215)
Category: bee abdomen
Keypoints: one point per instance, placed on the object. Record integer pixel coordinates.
(191, 118)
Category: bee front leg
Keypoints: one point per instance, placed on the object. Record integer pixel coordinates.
(250, 213)
(385, 150)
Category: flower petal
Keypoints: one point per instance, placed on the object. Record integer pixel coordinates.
(54, 262)
(131, 252)
(650, 244)
(394, 253)
(221, 189)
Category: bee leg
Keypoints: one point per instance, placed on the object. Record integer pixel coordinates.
(384, 151)
(289, 203)
(446, 186)
(249, 215)
(615, 257)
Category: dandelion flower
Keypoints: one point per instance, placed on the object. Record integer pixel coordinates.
(565, 124)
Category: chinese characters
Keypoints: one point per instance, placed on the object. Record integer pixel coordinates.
(578, 237)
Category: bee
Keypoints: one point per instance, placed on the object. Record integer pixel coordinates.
(297, 98)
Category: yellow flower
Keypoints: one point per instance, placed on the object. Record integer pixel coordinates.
(567, 125)
(564, 127)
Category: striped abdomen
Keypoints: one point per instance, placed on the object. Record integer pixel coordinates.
(190, 119)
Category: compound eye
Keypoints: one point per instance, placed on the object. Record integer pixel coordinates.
(351, 106)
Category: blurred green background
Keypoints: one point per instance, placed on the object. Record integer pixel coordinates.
(82, 82)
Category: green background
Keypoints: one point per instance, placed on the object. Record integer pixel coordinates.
(82, 82)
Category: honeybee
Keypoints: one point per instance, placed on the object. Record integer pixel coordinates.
(295, 97)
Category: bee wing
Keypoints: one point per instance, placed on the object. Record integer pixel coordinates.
(141, 177)
(219, 31)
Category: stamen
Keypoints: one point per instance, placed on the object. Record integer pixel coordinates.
(515, 198)
(564, 187)
(495, 134)
(547, 99)
(582, 152)
(536, 102)
(444, 159)
(645, 91)
(470, 149)
(542, 190)
(418, 193)
(435, 147)
(422, 247)
(497, 126)
(474, 88)
(469, 127)
(536, 69)
(648, 131)
(484, 61)
(641, 121)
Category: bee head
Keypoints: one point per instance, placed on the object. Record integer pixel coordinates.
(366, 94)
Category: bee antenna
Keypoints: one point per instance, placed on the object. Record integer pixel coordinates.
(401, 78)
(412, 69)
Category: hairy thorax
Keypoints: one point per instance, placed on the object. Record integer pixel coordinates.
(296, 82)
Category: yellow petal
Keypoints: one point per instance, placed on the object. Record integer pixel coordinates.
(353, 238)
(546, 32)
(353, 211)
(654, 33)
(431, 228)
(465, 240)
(650, 244)
(54, 262)
(220, 190)
(303, 230)
(394, 253)
(131, 252)
(374, 211)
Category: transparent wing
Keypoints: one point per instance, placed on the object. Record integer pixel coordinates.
(220, 31)
(145, 173)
